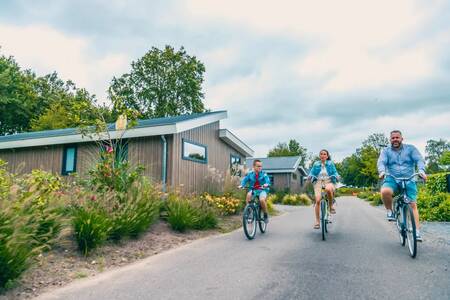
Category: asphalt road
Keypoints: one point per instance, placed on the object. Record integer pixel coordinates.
(362, 259)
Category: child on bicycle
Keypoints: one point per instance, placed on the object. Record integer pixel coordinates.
(259, 184)
(323, 171)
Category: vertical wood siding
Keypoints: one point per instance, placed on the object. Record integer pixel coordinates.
(24, 160)
(190, 176)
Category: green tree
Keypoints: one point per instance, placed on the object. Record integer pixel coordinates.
(162, 83)
(434, 150)
(292, 148)
(445, 158)
(29, 102)
(376, 140)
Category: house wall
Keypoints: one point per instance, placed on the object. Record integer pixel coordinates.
(284, 181)
(24, 160)
(190, 176)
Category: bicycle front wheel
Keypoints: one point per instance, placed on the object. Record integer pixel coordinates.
(399, 222)
(249, 221)
(323, 218)
(261, 223)
(410, 228)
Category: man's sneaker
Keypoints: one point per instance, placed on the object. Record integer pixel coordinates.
(266, 218)
(390, 216)
(418, 237)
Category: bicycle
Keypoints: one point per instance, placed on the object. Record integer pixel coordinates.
(324, 206)
(404, 216)
(252, 215)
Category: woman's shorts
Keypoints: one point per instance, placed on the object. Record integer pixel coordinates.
(318, 185)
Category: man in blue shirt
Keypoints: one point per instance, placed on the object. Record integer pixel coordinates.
(400, 160)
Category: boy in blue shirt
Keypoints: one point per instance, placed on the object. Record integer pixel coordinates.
(258, 183)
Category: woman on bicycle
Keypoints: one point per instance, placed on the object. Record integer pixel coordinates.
(323, 171)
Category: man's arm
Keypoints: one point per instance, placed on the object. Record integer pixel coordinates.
(418, 159)
(381, 163)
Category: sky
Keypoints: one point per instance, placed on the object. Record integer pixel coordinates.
(326, 73)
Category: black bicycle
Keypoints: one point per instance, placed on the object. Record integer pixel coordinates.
(404, 216)
(253, 217)
(324, 206)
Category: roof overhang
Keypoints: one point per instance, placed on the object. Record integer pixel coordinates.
(115, 134)
(235, 142)
(290, 170)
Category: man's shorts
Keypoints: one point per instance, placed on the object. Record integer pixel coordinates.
(260, 193)
(411, 187)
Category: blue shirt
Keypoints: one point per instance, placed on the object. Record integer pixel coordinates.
(401, 162)
(251, 178)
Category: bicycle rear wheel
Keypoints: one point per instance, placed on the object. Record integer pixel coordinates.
(410, 226)
(399, 222)
(261, 223)
(249, 221)
(323, 218)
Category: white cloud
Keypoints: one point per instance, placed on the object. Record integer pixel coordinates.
(44, 49)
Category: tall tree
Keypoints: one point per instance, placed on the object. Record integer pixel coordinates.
(292, 148)
(162, 83)
(376, 140)
(434, 150)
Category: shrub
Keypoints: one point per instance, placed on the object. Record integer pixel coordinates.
(134, 212)
(274, 199)
(91, 228)
(375, 199)
(296, 199)
(364, 195)
(433, 207)
(437, 183)
(206, 219)
(16, 246)
(5, 181)
(181, 215)
(270, 207)
(226, 204)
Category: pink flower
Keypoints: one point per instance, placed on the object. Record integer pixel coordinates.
(109, 149)
(93, 198)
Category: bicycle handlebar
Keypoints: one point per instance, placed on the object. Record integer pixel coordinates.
(403, 178)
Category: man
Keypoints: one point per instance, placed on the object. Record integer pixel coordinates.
(400, 160)
(259, 184)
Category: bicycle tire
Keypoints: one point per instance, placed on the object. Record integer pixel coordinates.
(410, 230)
(399, 222)
(249, 221)
(261, 223)
(323, 221)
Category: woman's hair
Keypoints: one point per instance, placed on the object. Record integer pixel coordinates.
(328, 153)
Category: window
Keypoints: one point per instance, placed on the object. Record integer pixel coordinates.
(119, 147)
(235, 165)
(69, 163)
(195, 152)
(294, 176)
(271, 179)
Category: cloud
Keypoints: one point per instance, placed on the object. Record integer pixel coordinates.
(44, 50)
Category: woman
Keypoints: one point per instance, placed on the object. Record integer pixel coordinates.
(323, 171)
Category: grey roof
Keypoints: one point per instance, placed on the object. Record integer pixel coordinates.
(72, 131)
(279, 164)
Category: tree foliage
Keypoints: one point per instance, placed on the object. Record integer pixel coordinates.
(292, 148)
(29, 102)
(434, 151)
(162, 83)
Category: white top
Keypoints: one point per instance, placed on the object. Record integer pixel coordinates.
(323, 172)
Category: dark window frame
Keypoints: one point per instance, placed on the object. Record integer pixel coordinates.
(205, 161)
(64, 161)
(235, 156)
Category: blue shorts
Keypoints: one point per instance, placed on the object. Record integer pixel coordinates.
(411, 187)
(260, 193)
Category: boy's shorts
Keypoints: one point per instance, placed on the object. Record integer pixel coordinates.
(411, 187)
(260, 193)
